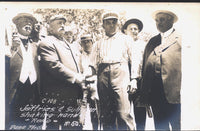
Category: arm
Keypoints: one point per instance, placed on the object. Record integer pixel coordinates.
(134, 65)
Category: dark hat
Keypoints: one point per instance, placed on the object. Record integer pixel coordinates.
(16, 19)
(57, 17)
(110, 15)
(135, 21)
(165, 12)
(86, 37)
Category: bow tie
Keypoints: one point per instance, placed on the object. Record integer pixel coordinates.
(25, 43)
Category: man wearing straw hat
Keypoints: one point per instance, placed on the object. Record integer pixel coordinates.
(112, 56)
(23, 68)
(161, 75)
(133, 27)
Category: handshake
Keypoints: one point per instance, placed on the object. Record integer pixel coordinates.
(85, 80)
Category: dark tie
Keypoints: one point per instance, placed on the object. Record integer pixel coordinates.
(25, 43)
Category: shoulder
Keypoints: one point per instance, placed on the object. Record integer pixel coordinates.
(155, 38)
(47, 41)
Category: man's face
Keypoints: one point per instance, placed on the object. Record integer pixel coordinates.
(68, 36)
(24, 26)
(132, 30)
(164, 22)
(87, 45)
(110, 26)
(57, 27)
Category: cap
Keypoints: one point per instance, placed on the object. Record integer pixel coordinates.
(110, 15)
(86, 37)
(57, 17)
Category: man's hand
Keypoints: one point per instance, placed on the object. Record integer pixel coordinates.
(80, 79)
(132, 86)
(15, 42)
(91, 79)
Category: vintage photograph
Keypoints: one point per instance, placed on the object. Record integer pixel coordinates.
(100, 66)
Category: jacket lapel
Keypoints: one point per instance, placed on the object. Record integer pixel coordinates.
(173, 38)
(19, 52)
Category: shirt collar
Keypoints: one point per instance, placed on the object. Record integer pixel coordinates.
(112, 37)
(167, 33)
(22, 36)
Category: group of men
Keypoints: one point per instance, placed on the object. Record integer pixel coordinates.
(107, 74)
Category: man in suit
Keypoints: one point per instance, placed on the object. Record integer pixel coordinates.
(22, 69)
(161, 72)
(61, 79)
(112, 54)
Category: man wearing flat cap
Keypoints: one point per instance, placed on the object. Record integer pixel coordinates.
(23, 69)
(133, 27)
(112, 54)
(90, 95)
(61, 78)
(161, 74)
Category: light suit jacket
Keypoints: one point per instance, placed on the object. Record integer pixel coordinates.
(59, 66)
(170, 62)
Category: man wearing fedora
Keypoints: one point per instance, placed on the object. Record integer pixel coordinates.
(112, 54)
(61, 79)
(161, 72)
(23, 69)
(133, 27)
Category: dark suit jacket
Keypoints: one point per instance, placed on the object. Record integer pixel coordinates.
(58, 69)
(170, 67)
(13, 70)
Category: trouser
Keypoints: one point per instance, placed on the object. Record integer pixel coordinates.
(114, 104)
(26, 94)
(139, 111)
(94, 109)
(164, 113)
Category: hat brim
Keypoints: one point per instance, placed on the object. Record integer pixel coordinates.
(165, 12)
(24, 15)
(133, 21)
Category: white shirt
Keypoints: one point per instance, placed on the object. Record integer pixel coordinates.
(165, 36)
(164, 40)
(28, 69)
(115, 49)
(138, 50)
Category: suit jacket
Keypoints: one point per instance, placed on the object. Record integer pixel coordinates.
(170, 63)
(58, 70)
(13, 70)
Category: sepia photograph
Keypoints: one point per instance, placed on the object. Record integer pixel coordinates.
(100, 66)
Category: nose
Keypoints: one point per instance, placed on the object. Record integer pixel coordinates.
(62, 24)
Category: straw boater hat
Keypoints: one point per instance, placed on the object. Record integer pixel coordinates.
(135, 21)
(165, 12)
(57, 17)
(17, 18)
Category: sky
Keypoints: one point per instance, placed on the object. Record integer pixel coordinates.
(188, 24)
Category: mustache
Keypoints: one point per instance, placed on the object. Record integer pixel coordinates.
(61, 29)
